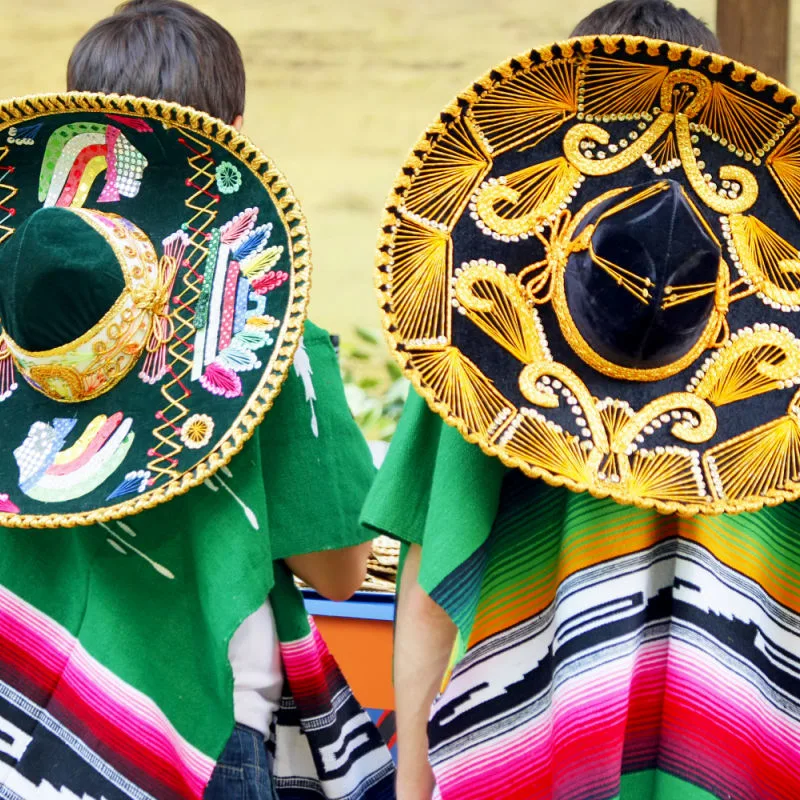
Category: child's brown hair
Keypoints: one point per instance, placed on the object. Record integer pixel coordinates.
(162, 49)
(658, 19)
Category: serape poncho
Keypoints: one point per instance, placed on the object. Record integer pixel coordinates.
(114, 673)
(603, 651)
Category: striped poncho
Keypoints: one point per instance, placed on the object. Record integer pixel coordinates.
(603, 651)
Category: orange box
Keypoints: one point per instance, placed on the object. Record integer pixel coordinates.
(359, 634)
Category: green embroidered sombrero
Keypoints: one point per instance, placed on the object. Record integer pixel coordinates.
(589, 265)
(154, 274)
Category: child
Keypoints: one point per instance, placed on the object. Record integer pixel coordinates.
(588, 648)
(309, 460)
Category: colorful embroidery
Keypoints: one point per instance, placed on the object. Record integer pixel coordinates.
(202, 203)
(94, 363)
(7, 194)
(8, 377)
(227, 340)
(23, 134)
(50, 479)
(134, 483)
(197, 431)
(6, 506)
(77, 153)
(229, 179)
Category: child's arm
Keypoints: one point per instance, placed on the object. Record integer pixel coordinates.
(335, 574)
(423, 641)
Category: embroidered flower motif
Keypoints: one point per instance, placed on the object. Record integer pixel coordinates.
(229, 179)
(197, 431)
(6, 506)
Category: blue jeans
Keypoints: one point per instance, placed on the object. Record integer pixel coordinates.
(243, 770)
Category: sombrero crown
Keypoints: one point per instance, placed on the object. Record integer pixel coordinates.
(153, 280)
(589, 265)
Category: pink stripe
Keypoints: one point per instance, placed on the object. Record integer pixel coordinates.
(585, 736)
(100, 438)
(123, 706)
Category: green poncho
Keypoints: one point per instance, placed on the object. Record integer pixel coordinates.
(114, 673)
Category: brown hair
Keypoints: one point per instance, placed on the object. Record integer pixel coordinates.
(658, 19)
(165, 50)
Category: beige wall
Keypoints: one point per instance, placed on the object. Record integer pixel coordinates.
(338, 92)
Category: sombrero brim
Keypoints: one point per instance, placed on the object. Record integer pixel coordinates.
(168, 170)
(490, 191)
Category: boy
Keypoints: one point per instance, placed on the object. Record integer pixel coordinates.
(316, 465)
(486, 542)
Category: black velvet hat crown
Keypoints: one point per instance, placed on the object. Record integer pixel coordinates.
(649, 248)
(589, 265)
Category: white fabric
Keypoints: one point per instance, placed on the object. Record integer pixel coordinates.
(257, 676)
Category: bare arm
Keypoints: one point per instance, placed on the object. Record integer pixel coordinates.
(423, 641)
(335, 574)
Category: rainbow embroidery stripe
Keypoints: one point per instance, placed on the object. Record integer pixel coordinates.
(612, 644)
(130, 736)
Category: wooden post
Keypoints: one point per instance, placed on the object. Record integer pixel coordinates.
(756, 32)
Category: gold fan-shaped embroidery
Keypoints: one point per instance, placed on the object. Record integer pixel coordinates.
(624, 88)
(420, 272)
(457, 163)
(754, 361)
(463, 387)
(516, 203)
(544, 445)
(759, 463)
(768, 262)
(528, 105)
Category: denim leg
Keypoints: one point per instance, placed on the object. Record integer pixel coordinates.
(243, 771)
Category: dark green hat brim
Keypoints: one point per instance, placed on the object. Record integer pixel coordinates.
(200, 174)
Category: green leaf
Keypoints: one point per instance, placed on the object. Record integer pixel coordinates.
(394, 370)
(366, 335)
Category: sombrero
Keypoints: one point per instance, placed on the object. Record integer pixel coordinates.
(154, 273)
(589, 265)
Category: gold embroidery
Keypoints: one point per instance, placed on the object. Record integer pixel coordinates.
(516, 203)
(546, 449)
(743, 124)
(671, 109)
(579, 135)
(763, 462)
(629, 89)
(754, 361)
(456, 164)
(784, 164)
(766, 260)
(664, 156)
(419, 271)
(98, 360)
(463, 388)
(496, 303)
(706, 188)
(7, 193)
(529, 105)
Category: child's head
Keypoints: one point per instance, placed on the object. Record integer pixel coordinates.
(166, 50)
(658, 19)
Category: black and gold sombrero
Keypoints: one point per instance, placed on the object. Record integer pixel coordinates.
(154, 273)
(589, 265)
